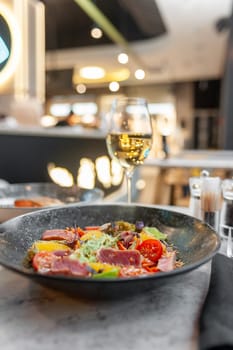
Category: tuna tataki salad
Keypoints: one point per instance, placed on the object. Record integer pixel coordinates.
(112, 250)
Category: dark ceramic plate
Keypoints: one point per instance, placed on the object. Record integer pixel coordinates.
(196, 242)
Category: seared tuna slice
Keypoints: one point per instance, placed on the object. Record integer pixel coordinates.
(66, 266)
(119, 257)
(59, 235)
(167, 263)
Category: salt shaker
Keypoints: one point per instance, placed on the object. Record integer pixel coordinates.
(226, 218)
(211, 201)
(195, 196)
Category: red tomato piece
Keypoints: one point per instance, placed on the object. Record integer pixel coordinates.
(151, 249)
(42, 261)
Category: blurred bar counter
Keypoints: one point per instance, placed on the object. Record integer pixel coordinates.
(65, 131)
(204, 159)
(172, 174)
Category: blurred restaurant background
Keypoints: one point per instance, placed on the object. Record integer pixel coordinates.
(58, 80)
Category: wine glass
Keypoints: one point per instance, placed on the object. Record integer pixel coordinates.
(129, 138)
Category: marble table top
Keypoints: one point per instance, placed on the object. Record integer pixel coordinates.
(35, 317)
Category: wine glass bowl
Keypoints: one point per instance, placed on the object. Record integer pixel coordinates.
(129, 138)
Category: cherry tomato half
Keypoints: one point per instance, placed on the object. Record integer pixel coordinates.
(151, 249)
(42, 261)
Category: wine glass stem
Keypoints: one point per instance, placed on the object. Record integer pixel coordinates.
(129, 174)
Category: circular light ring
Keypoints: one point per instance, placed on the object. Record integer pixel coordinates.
(13, 60)
(92, 72)
(117, 75)
(5, 42)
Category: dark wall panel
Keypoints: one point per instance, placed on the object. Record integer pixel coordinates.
(25, 158)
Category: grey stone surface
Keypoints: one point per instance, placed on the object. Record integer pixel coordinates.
(35, 317)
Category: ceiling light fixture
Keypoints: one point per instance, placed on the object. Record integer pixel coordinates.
(81, 88)
(92, 72)
(114, 86)
(96, 32)
(139, 74)
(123, 58)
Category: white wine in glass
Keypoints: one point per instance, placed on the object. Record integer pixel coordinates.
(129, 138)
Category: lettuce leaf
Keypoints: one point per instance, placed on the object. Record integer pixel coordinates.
(87, 252)
(155, 232)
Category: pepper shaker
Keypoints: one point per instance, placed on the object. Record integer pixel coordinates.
(195, 194)
(211, 201)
